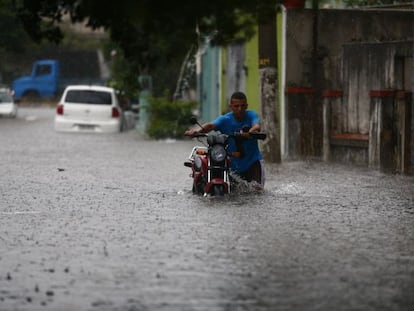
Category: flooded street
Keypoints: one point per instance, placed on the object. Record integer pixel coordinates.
(108, 222)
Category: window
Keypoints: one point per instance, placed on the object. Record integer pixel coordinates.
(42, 70)
(88, 97)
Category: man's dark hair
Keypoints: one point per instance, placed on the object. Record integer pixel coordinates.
(238, 95)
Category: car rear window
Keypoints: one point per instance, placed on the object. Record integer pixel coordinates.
(88, 97)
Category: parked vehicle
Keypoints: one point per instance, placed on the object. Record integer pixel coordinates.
(8, 107)
(210, 163)
(45, 81)
(92, 109)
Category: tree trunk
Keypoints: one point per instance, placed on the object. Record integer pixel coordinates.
(269, 97)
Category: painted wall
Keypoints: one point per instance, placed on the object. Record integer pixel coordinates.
(235, 71)
(252, 78)
(209, 85)
(241, 72)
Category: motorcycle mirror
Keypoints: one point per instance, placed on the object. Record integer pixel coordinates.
(193, 120)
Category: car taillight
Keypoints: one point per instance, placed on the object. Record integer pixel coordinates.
(115, 112)
(59, 110)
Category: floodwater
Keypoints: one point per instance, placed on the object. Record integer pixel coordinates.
(108, 222)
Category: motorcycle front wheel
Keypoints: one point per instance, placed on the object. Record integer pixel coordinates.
(218, 190)
(198, 188)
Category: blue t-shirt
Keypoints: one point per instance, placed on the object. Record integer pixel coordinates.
(227, 124)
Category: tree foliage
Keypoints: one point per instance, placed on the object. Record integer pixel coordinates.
(168, 119)
(145, 30)
(12, 36)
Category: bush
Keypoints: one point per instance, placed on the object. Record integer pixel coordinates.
(168, 119)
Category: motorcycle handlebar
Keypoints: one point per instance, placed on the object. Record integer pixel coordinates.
(254, 135)
(199, 135)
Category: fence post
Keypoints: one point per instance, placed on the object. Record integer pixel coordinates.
(328, 96)
(383, 131)
(146, 91)
(403, 107)
(299, 116)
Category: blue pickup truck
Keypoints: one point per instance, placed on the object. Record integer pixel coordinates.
(46, 81)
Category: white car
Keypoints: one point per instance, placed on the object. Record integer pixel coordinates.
(8, 107)
(91, 109)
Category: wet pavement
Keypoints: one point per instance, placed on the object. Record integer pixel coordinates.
(108, 222)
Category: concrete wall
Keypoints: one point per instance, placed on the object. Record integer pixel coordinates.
(252, 73)
(226, 70)
(367, 67)
(330, 62)
(342, 58)
(240, 72)
(235, 71)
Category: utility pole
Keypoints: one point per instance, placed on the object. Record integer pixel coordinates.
(269, 94)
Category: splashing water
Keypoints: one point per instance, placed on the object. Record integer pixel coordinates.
(239, 185)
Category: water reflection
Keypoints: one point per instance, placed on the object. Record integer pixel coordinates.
(122, 230)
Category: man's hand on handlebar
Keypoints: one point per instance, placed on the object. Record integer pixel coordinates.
(191, 132)
(244, 134)
(247, 132)
(251, 135)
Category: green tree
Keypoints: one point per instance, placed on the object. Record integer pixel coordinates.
(150, 33)
(13, 40)
(168, 119)
(13, 37)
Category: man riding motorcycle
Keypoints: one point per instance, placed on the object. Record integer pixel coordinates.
(247, 160)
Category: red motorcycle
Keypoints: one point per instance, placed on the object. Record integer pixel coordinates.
(210, 163)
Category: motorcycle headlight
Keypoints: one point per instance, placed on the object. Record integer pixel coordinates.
(197, 163)
(218, 153)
